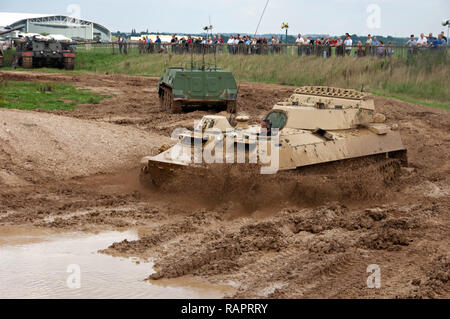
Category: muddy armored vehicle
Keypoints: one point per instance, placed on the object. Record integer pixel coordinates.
(315, 126)
(36, 52)
(2, 33)
(196, 87)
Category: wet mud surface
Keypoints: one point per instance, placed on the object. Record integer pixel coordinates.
(305, 234)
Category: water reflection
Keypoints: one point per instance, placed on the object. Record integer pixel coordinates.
(39, 270)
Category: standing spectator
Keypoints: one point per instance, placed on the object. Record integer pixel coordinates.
(119, 41)
(150, 47)
(326, 49)
(348, 44)
(375, 41)
(158, 44)
(125, 46)
(237, 41)
(300, 43)
(360, 50)
(412, 45)
(277, 45)
(422, 41)
(375, 44)
(173, 44)
(141, 46)
(438, 42)
(430, 40)
(381, 52)
(272, 45)
(435, 44)
(230, 44)
(339, 47)
(389, 49)
(368, 44)
(308, 43)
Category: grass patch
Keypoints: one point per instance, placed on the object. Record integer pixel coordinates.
(45, 96)
(422, 77)
(413, 101)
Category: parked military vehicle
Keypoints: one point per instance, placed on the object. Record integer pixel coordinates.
(195, 87)
(2, 33)
(316, 125)
(40, 52)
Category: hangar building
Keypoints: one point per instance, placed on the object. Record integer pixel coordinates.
(55, 24)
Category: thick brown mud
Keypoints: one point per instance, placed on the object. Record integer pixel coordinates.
(309, 233)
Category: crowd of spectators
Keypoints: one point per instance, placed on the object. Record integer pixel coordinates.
(320, 46)
(417, 45)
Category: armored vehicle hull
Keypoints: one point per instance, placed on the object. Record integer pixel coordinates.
(181, 88)
(316, 125)
(33, 53)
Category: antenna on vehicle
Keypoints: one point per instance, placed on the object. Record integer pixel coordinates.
(215, 59)
(192, 55)
(208, 28)
(260, 19)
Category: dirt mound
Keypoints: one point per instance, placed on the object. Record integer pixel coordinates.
(36, 146)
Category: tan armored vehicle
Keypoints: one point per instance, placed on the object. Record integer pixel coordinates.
(315, 125)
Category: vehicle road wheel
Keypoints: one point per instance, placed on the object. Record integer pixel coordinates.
(175, 107)
(68, 63)
(391, 171)
(27, 62)
(162, 102)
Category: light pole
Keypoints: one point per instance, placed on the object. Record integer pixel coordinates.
(285, 25)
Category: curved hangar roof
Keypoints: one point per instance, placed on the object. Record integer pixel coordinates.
(16, 19)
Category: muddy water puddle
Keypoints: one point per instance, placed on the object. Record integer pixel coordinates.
(41, 264)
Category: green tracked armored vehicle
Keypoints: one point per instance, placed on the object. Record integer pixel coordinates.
(193, 87)
(36, 52)
(3, 33)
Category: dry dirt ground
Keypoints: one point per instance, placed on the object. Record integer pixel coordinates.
(77, 171)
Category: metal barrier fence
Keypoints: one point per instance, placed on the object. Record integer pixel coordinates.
(257, 49)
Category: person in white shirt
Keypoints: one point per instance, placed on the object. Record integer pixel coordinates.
(300, 42)
(230, 43)
(348, 44)
(422, 42)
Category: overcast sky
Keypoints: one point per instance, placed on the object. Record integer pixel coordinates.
(383, 17)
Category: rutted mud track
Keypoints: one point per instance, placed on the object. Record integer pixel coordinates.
(315, 241)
